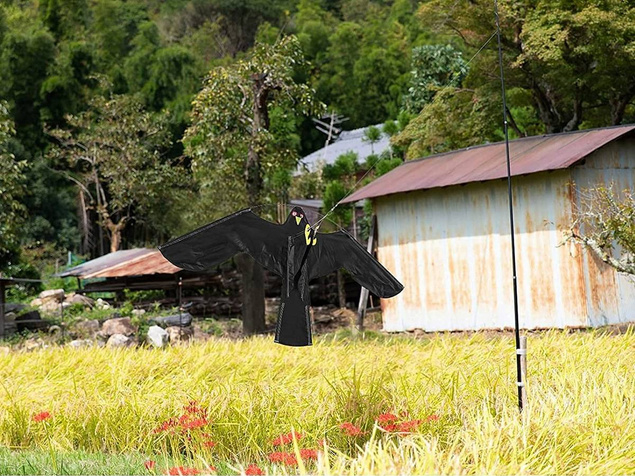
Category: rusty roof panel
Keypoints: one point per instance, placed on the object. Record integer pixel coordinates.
(135, 262)
(104, 262)
(149, 263)
(488, 162)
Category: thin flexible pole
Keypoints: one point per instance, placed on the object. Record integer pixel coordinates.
(519, 380)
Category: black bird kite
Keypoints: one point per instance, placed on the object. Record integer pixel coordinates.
(292, 250)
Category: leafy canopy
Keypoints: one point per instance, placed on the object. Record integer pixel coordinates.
(225, 125)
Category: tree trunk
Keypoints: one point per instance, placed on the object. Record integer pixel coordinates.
(253, 292)
(252, 274)
(115, 239)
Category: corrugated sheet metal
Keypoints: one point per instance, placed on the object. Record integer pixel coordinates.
(488, 162)
(103, 262)
(451, 249)
(150, 263)
(135, 262)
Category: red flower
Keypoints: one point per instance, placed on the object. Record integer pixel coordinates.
(433, 418)
(408, 426)
(307, 453)
(184, 471)
(209, 444)
(253, 470)
(41, 416)
(166, 425)
(350, 429)
(193, 424)
(386, 418)
(286, 439)
(150, 465)
(288, 459)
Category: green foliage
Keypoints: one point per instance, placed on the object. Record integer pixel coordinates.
(307, 185)
(25, 58)
(236, 142)
(384, 166)
(455, 118)
(114, 152)
(372, 134)
(333, 193)
(569, 55)
(433, 66)
(11, 188)
(345, 165)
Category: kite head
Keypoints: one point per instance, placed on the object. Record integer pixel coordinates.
(298, 217)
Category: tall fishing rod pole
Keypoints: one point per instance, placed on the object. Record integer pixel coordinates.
(519, 378)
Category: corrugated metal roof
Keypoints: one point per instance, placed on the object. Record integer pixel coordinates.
(488, 162)
(135, 262)
(348, 141)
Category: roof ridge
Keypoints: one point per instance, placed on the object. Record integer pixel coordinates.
(518, 139)
(480, 163)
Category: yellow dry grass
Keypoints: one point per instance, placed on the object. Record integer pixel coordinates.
(580, 418)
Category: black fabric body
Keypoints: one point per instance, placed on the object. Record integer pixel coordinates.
(291, 250)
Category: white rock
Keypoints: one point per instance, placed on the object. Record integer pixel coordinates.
(138, 312)
(37, 302)
(119, 340)
(157, 336)
(101, 304)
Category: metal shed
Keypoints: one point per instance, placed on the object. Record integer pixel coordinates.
(443, 230)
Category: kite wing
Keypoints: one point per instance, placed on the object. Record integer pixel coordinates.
(333, 251)
(218, 241)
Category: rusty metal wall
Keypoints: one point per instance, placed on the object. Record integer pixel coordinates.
(610, 295)
(451, 249)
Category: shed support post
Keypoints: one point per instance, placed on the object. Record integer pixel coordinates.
(363, 297)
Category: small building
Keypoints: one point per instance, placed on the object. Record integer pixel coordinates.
(347, 141)
(443, 230)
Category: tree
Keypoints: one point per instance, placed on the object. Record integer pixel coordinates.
(372, 134)
(605, 224)
(569, 55)
(114, 154)
(455, 118)
(432, 67)
(234, 146)
(339, 178)
(11, 189)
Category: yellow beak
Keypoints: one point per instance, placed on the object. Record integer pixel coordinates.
(298, 220)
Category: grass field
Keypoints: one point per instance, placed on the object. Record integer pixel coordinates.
(447, 405)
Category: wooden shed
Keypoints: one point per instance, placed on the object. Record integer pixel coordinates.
(443, 230)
